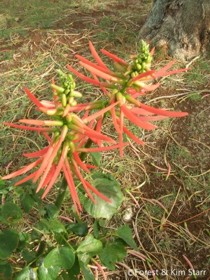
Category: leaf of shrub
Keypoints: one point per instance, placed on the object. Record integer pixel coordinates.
(125, 233)
(27, 202)
(9, 241)
(11, 213)
(113, 252)
(96, 158)
(79, 229)
(90, 245)
(111, 189)
(88, 275)
(50, 273)
(24, 274)
(5, 271)
(62, 257)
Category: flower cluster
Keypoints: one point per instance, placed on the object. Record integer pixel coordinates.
(69, 135)
(73, 126)
(124, 85)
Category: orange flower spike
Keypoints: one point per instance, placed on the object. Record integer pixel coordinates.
(36, 154)
(56, 171)
(136, 120)
(25, 179)
(100, 113)
(33, 98)
(71, 186)
(79, 175)
(98, 128)
(83, 77)
(121, 133)
(46, 167)
(22, 170)
(80, 162)
(114, 57)
(96, 56)
(24, 127)
(102, 149)
(98, 67)
(156, 110)
(100, 73)
(99, 194)
(41, 123)
(44, 164)
(131, 135)
(149, 75)
(49, 176)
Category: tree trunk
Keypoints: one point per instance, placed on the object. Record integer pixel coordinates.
(180, 27)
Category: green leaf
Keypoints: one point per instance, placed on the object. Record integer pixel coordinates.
(51, 211)
(48, 273)
(110, 188)
(3, 189)
(11, 213)
(74, 271)
(79, 229)
(90, 245)
(96, 158)
(9, 241)
(51, 225)
(28, 256)
(86, 271)
(125, 233)
(62, 257)
(23, 239)
(27, 202)
(88, 248)
(96, 229)
(27, 274)
(5, 271)
(56, 226)
(112, 253)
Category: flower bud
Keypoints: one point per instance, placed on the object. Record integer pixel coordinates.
(57, 88)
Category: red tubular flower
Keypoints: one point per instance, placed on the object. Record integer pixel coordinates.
(69, 134)
(125, 87)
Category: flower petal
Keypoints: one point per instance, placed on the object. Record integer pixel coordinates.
(99, 73)
(80, 162)
(47, 166)
(33, 98)
(36, 154)
(100, 113)
(79, 175)
(57, 171)
(22, 170)
(101, 149)
(136, 120)
(98, 67)
(83, 77)
(25, 179)
(96, 56)
(40, 122)
(24, 127)
(163, 112)
(114, 57)
(99, 194)
(71, 186)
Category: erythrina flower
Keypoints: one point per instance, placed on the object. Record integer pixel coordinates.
(70, 134)
(124, 85)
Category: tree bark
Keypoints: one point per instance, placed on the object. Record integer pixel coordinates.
(180, 27)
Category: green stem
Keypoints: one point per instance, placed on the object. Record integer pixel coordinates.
(61, 194)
